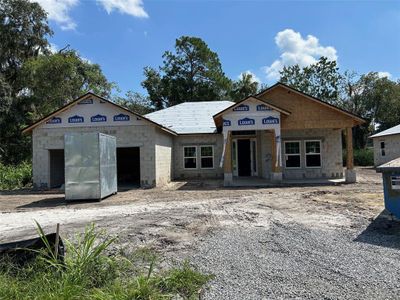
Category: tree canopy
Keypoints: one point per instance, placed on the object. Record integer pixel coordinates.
(136, 102)
(244, 87)
(192, 72)
(33, 80)
(320, 79)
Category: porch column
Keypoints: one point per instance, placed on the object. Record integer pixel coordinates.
(228, 176)
(350, 173)
(276, 174)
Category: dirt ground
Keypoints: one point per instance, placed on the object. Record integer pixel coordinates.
(341, 243)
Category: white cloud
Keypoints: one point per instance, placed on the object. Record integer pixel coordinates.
(58, 11)
(297, 50)
(130, 7)
(384, 74)
(254, 76)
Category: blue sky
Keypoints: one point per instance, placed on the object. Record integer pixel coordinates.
(124, 36)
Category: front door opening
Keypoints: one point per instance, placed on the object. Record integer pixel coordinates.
(128, 167)
(244, 157)
(57, 168)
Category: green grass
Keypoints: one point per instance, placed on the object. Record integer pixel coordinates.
(15, 177)
(88, 272)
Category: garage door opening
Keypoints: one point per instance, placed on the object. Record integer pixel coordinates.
(57, 169)
(128, 167)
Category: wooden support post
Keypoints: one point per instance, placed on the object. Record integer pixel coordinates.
(349, 149)
(57, 242)
(228, 155)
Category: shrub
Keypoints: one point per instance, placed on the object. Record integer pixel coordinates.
(362, 157)
(15, 177)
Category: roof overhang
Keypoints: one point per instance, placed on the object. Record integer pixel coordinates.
(379, 135)
(29, 128)
(357, 119)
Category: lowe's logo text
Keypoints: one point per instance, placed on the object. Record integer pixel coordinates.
(227, 123)
(263, 107)
(98, 118)
(246, 121)
(241, 107)
(76, 119)
(86, 101)
(270, 120)
(121, 118)
(54, 120)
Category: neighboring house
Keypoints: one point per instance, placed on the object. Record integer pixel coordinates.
(386, 145)
(278, 134)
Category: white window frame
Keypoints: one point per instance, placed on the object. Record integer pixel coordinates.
(212, 147)
(195, 157)
(292, 154)
(320, 154)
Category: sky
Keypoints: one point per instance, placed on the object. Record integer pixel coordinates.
(124, 36)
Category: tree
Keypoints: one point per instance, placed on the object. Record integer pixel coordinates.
(244, 87)
(135, 102)
(191, 73)
(33, 81)
(154, 85)
(50, 81)
(321, 79)
(23, 34)
(381, 97)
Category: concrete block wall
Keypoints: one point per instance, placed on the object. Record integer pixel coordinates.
(331, 153)
(142, 136)
(163, 149)
(392, 149)
(179, 172)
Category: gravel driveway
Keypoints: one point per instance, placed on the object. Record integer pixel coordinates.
(327, 242)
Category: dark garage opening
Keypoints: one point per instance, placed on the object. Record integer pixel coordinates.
(128, 167)
(57, 175)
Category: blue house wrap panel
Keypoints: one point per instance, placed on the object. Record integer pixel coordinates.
(391, 192)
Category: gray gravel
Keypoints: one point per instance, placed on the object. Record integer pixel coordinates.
(290, 260)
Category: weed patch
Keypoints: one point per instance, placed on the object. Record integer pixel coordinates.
(88, 272)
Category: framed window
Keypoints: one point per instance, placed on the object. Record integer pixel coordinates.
(383, 149)
(395, 181)
(313, 154)
(292, 154)
(206, 157)
(190, 157)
